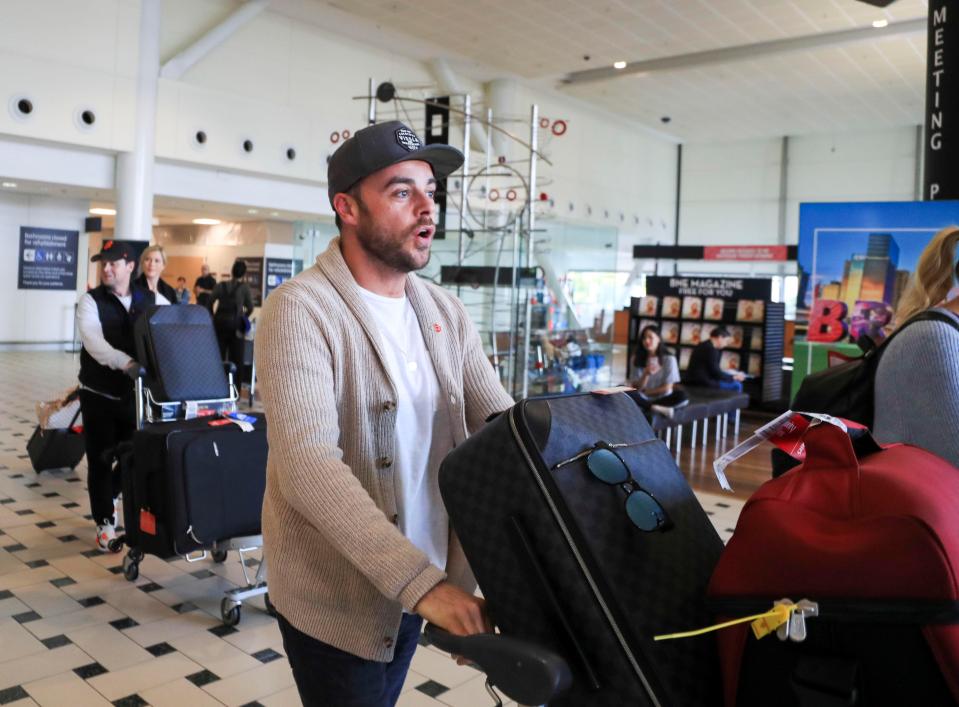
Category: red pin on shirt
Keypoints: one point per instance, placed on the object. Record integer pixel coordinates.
(437, 328)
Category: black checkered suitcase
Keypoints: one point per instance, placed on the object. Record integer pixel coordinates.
(562, 565)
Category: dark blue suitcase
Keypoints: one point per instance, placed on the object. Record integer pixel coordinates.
(561, 564)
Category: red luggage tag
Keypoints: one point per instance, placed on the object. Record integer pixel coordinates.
(788, 436)
(148, 522)
(786, 432)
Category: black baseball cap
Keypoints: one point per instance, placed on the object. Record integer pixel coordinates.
(382, 145)
(114, 250)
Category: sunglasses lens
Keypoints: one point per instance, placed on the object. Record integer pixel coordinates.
(644, 511)
(606, 466)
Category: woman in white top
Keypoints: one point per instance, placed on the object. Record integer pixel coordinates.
(658, 375)
(152, 262)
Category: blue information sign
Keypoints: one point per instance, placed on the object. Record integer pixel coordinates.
(278, 271)
(48, 259)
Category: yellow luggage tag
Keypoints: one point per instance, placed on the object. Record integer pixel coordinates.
(762, 624)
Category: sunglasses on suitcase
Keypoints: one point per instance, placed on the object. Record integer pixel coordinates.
(642, 508)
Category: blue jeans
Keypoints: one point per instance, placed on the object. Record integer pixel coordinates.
(328, 677)
(731, 385)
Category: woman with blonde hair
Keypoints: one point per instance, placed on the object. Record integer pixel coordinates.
(917, 380)
(152, 262)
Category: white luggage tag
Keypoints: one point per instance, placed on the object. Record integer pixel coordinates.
(786, 432)
(244, 422)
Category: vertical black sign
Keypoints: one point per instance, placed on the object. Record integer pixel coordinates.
(48, 259)
(438, 131)
(941, 178)
(254, 278)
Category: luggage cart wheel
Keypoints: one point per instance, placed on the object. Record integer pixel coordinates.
(131, 568)
(270, 609)
(229, 612)
(219, 555)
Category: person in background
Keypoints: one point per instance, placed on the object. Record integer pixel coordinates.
(203, 287)
(658, 375)
(704, 369)
(182, 293)
(232, 304)
(152, 262)
(917, 379)
(105, 318)
(370, 376)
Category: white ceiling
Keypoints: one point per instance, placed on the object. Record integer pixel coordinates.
(854, 85)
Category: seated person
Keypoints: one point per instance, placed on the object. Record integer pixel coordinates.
(658, 374)
(704, 369)
(917, 379)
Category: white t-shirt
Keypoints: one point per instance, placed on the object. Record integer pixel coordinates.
(423, 434)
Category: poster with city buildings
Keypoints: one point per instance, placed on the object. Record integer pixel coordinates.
(855, 260)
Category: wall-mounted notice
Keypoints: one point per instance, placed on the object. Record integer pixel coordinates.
(48, 259)
(278, 271)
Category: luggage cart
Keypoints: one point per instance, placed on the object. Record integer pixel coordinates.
(167, 407)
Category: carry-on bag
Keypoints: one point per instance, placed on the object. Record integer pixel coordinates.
(586, 539)
(57, 447)
(862, 542)
(187, 484)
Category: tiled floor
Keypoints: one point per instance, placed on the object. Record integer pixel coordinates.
(74, 632)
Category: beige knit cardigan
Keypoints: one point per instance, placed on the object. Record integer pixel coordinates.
(339, 569)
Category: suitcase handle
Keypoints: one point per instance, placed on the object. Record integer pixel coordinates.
(525, 548)
(828, 480)
(526, 672)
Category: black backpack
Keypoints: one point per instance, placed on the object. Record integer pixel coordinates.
(847, 390)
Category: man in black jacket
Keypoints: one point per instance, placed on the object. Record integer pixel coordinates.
(704, 369)
(105, 319)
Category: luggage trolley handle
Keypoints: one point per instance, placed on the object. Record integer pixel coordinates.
(525, 672)
(137, 374)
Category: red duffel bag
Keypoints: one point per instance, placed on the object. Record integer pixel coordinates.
(868, 536)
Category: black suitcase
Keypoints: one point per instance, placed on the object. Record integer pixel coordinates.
(561, 564)
(56, 448)
(187, 485)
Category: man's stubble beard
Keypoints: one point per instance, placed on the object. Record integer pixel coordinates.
(386, 249)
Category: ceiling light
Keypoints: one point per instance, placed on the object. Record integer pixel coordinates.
(206, 221)
(252, 211)
(103, 212)
(619, 64)
(879, 24)
(9, 185)
(274, 213)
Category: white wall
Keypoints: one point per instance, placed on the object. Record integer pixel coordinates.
(731, 191)
(37, 315)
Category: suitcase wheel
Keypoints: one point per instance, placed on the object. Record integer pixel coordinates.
(219, 555)
(229, 612)
(131, 564)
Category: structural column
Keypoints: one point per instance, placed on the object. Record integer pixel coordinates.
(941, 179)
(134, 175)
